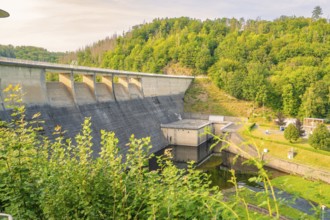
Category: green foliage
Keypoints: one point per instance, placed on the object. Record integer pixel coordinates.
(317, 12)
(251, 126)
(29, 53)
(316, 100)
(290, 101)
(291, 133)
(269, 197)
(52, 77)
(42, 179)
(279, 63)
(320, 139)
(280, 119)
(312, 190)
(300, 127)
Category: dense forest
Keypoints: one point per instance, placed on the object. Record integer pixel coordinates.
(29, 53)
(283, 64)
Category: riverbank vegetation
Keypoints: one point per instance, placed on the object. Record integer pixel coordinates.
(40, 179)
(315, 191)
(258, 199)
(60, 179)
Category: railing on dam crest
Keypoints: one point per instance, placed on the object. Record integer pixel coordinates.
(112, 85)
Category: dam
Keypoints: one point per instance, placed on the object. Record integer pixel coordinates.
(146, 105)
(120, 101)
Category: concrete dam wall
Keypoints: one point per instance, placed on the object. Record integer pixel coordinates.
(120, 101)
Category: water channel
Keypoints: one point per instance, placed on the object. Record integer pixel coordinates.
(218, 168)
(220, 174)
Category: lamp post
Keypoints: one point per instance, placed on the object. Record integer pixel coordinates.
(3, 14)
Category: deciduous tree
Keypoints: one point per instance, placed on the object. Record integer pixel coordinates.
(320, 139)
(291, 133)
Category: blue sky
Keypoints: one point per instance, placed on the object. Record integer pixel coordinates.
(66, 25)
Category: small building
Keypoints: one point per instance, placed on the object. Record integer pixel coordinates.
(189, 139)
(189, 132)
(311, 123)
(289, 121)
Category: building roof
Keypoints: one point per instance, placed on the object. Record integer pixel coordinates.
(192, 124)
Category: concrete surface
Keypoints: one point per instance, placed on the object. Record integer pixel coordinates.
(141, 117)
(130, 85)
(191, 124)
(58, 95)
(136, 104)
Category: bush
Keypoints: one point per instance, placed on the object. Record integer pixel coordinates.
(40, 179)
(291, 133)
(251, 126)
(320, 139)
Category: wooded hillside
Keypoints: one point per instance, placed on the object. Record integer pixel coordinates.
(283, 64)
(29, 53)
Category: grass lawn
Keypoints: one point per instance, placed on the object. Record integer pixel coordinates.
(316, 191)
(278, 146)
(206, 98)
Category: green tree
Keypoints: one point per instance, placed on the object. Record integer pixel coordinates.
(291, 133)
(203, 60)
(288, 55)
(299, 126)
(42, 179)
(290, 105)
(280, 119)
(316, 100)
(320, 139)
(317, 12)
(253, 81)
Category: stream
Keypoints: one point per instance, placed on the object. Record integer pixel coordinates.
(220, 174)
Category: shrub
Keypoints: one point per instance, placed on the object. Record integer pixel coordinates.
(40, 179)
(291, 133)
(320, 139)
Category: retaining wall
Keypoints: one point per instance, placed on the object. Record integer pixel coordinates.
(246, 151)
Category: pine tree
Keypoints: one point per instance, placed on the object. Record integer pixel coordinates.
(317, 12)
(299, 126)
(280, 119)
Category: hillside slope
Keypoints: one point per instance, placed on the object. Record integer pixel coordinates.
(283, 64)
(206, 98)
(29, 53)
